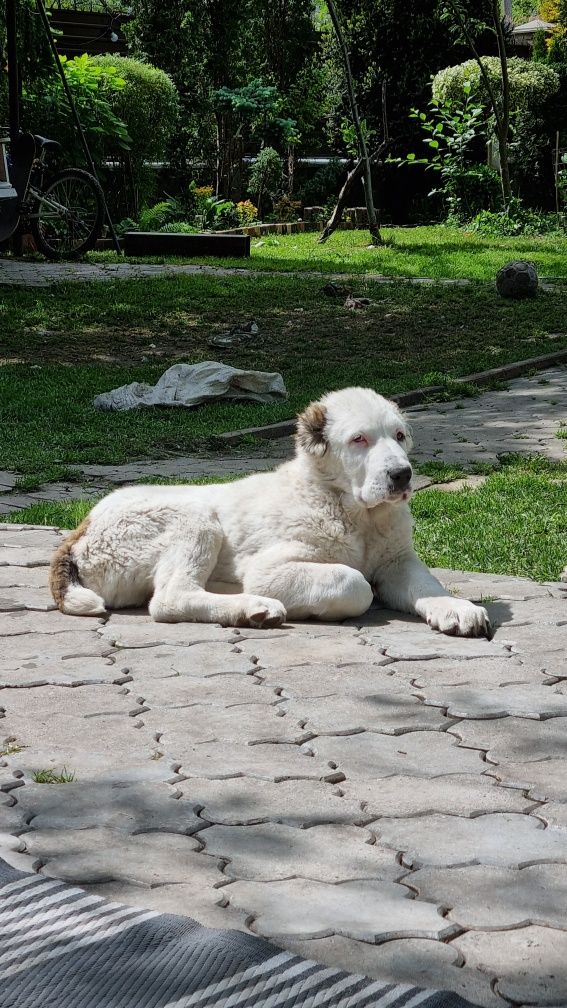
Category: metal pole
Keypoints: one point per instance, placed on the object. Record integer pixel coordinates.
(84, 144)
(13, 77)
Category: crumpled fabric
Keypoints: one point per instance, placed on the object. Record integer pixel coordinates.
(191, 384)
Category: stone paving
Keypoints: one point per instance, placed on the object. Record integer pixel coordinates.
(371, 794)
(523, 418)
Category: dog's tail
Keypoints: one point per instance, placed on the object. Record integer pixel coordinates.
(70, 595)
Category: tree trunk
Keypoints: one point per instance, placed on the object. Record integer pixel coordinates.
(504, 127)
(354, 174)
(373, 225)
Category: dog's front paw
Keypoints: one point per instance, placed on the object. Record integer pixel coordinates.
(263, 613)
(458, 617)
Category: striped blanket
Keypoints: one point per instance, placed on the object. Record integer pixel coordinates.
(65, 948)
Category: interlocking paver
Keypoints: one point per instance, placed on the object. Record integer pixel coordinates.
(499, 838)
(185, 691)
(308, 650)
(24, 622)
(41, 647)
(272, 851)
(508, 740)
(476, 673)
(129, 807)
(323, 680)
(100, 855)
(527, 964)
(535, 702)
(190, 898)
(484, 898)
(420, 754)
(455, 794)
(248, 724)
(243, 801)
(142, 632)
(163, 662)
(70, 672)
(389, 712)
(222, 760)
(366, 910)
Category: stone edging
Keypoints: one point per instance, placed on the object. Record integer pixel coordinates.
(286, 427)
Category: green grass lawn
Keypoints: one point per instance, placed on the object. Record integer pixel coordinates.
(434, 251)
(61, 346)
(516, 523)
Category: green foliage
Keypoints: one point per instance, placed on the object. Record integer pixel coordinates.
(147, 102)
(45, 108)
(178, 227)
(450, 132)
(531, 84)
(155, 217)
(515, 220)
(266, 174)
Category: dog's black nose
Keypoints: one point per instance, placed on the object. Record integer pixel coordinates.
(400, 478)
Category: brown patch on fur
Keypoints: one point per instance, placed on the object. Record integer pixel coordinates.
(63, 570)
(311, 429)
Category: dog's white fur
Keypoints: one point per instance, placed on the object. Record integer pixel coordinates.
(318, 537)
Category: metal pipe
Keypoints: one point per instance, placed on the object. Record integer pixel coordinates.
(13, 76)
(78, 124)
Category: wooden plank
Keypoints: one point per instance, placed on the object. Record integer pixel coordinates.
(149, 243)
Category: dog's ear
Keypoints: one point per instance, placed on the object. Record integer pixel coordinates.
(311, 429)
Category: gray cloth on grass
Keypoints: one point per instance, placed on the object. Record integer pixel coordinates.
(66, 950)
(192, 384)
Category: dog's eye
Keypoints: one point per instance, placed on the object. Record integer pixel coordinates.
(400, 436)
(359, 440)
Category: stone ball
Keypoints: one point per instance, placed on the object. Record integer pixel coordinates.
(517, 280)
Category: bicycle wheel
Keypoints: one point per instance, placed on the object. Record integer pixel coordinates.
(68, 217)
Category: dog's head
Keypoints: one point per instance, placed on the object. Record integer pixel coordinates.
(359, 441)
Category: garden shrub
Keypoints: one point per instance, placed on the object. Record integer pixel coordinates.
(178, 227)
(531, 84)
(516, 220)
(155, 217)
(325, 183)
(266, 175)
(46, 110)
(247, 212)
(148, 104)
(287, 209)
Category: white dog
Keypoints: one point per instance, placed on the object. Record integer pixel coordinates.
(319, 536)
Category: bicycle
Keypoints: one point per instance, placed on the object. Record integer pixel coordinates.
(63, 210)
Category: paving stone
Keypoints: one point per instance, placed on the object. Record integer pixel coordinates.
(553, 814)
(28, 556)
(28, 537)
(418, 754)
(12, 818)
(546, 612)
(100, 855)
(222, 760)
(532, 638)
(509, 740)
(163, 662)
(478, 587)
(365, 910)
(545, 779)
(416, 961)
(306, 681)
(528, 964)
(535, 702)
(126, 807)
(455, 794)
(187, 899)
(16, 623)
(389, 712)
(20, 598)
(305, 649)
(426, 644)
(186, 691)
(71, 672)
(500, 838)
(45, 647)
(271, 851)
(48, 704)
(23, 577)
(143, 632)
(485, 899)
(244, 801)
(476, 673)
(247, 724)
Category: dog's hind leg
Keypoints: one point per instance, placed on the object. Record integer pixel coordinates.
(179, 586)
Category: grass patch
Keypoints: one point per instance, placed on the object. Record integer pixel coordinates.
(51, 777)
(11, 748)
(93, 337)
(515, 523)
(436, 251)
